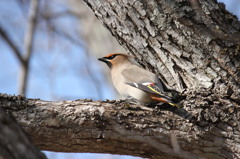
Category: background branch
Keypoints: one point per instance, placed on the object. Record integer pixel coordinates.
(16, 51)
(28, 45)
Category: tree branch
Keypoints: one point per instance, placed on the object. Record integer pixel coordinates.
(28, 40)
(123, 128)
(76, 42)
(16, 51)
(28, 45)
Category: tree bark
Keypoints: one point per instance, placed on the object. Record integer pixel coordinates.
(192, 45)
(189, 44)
(121, 128)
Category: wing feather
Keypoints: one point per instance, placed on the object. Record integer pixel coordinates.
(155, 91)
(135, 74)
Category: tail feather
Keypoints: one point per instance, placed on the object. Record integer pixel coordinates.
(157, 93)
(164, 100)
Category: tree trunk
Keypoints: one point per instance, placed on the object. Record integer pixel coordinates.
(192, 45)
(189, 44)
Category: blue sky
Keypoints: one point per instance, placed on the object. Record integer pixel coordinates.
(60, 69)
(56, 72)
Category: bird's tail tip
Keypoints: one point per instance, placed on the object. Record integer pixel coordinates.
(175, 105)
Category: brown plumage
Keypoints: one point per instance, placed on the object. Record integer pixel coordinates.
(132, 81)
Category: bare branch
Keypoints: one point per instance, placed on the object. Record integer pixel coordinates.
(16, 51)
(61, 14)
(76, 42)
(28, 45)
(28, 40)
(64, 35)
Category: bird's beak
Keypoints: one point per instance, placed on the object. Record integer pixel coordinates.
(103, 59)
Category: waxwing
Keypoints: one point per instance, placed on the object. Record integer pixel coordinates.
(132, 81)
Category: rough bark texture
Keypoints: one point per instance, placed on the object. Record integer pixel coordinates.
(195, 46)
(122, 128)
(14, 143)
(191, 43)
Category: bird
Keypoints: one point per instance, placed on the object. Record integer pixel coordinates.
(136, 83)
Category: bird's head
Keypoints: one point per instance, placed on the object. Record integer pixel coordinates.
(114, 59)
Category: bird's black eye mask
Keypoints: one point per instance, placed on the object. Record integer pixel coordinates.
(110, 57)
(107, 60)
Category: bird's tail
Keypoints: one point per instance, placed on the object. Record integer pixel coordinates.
(165, 100)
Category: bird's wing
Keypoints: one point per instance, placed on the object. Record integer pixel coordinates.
(155, 92)
(148, 82)
(150, 88)
(135, 74)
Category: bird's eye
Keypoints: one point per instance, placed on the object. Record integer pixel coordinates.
(111, 57)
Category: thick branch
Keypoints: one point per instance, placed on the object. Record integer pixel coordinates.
(122, 128)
